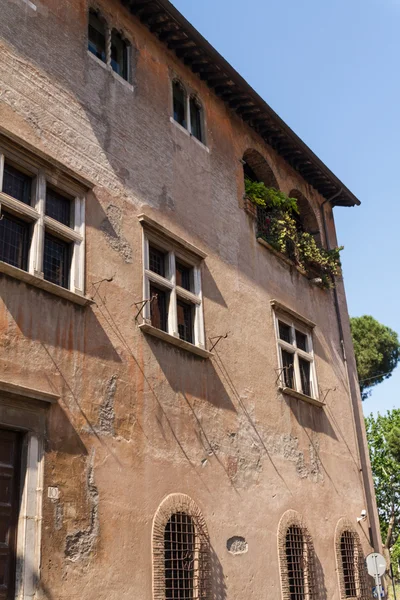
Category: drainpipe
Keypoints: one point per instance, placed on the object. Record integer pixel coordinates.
(362, 445)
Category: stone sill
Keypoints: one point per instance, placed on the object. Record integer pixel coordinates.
(42, 284)
(167, 337)
(187, 132)
(299, 396)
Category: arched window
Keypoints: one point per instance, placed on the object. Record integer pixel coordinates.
(181, 551)
(296, 553)
(351, 564)
(306, 219)
(179, 103)
(97, 35)
(119, 55)
(196, 125)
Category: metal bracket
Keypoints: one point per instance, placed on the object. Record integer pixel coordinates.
(218, 338)
(140, 305)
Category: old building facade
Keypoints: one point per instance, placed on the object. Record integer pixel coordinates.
(152, 445)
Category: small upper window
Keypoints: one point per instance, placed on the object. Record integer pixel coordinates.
(97, 36)
(195, 119)
(17, 184)
(296, 357)
(179, 98)
(58, 207)
(119, 55)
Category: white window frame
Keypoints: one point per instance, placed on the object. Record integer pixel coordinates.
(168, 283)
(35, 214)
(297, 352)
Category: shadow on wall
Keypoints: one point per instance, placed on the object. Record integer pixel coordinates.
(64, 437)
(320, 589)
(56, 323)
(218, 585)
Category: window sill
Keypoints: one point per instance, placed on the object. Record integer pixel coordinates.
(163, 335)
(42, 284)
(299, 396)
(185, 131)
(111, 70)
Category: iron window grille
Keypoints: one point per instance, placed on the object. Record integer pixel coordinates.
(295, 356)
(299, 565)
(180, 559)
(352, 570)
(187, 111)
(42, 226)
(108, 45)
(172, 290)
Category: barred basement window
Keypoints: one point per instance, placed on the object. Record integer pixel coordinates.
(351, 563)
(297, 561)
(181, 551)
(42, 221)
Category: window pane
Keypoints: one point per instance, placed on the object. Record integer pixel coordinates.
(288, 369)
(179, 104)
(284, 332)
(295, 563)
(185, 321)
(58, 207)
(14, 235)
(158, 308)
(157, 261)
(305, 376)
(97, 36)
(179, 557)
(119, 55)
(195, 119)
(56, 260)
(17, 184)
(301, 340)
(183, 276)
(348, 562)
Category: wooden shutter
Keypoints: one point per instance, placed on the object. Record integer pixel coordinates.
(9, 508)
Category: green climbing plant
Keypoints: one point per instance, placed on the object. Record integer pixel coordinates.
(278, 226)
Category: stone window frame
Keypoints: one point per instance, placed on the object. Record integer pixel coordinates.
(190, 97)
(175, 248)
(295, 322)
(24, 410)
(291, 518)
(175, 503)
(44, 174)
(109, 29)
(360, 573)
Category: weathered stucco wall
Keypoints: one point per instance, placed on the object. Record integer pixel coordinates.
(137, 418)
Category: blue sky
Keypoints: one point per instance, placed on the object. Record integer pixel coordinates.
(331, 70)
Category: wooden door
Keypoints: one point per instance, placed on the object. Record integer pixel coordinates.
(9, 508)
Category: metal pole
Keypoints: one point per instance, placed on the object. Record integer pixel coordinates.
(393, 584)
(377, 579)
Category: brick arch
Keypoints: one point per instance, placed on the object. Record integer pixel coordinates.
(307, 216)
(260, 167)
(173, 504)
(293, 521)
(348, 544)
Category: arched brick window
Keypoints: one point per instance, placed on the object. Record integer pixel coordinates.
(181, 551)
(306, 219)
(296, 557)
(350, 563)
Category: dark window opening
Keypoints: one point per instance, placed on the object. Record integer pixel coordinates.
(284, 332)
(179, 558)
(159, 308)
(288, 369)
(157, 261)
(179, 101)
(301, 340)
(14, 241)
(185, 321)
(295, 560)
(10, 459)
(249, 173)
(119, 55)
(305, 376)
(196, 120)
(97, 36)
(17, 184)
(58, 207)
(347, 551)
(183, 276)
(56, 260)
